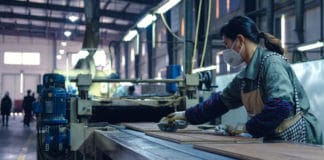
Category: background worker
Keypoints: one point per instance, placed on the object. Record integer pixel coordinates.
(6, 105)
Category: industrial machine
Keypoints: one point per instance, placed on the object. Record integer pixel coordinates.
(66, 122)
(83, 127)
(53, 133)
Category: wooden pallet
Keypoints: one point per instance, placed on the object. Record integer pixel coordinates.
(265, 151)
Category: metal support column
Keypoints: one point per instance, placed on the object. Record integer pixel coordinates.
(188, 38)
(170, 41)
(54, 52)
(270, 15)
(299, 56)
(137, 55)
(126, 59)
(321, 26)
(117, 57)
(149, 38)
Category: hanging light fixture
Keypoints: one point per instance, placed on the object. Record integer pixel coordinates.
(146, 21)
(130, 35)
(306, 47)
(168, 5)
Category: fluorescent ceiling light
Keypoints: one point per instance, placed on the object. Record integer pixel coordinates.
(310, 46)
(147, 20)
(73, 18)
(165, 7)
(67, 33)
(130, 35)
(213, 67)
(58, 57)
(63, 43)
(61, 51)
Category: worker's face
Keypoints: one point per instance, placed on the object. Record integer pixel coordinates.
(232, 44)
(237, 44)
(232, 55)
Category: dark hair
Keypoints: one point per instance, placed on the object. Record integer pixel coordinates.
(131, 89)
(247, 27)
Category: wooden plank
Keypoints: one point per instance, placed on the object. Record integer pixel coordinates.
(199, 137)
(265, 151)
(152, 127)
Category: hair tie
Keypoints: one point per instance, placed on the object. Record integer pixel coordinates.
(261, 35)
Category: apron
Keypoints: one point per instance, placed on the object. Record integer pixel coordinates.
(252, 101)
(253, 104)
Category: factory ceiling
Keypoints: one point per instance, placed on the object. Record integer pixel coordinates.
(50, 18)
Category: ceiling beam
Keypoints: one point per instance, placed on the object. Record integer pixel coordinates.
(44, 32)
(106, 13)
(111, 26)
(145, 2)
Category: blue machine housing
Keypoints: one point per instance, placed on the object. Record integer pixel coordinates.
(53, 106)
(173, 71)
(52, 126)
(53, 80)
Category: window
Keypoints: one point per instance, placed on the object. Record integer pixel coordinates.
(22, 58)
(224, 7)
(182, 32)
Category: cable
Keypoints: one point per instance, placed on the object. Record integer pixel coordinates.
(169, 29)
(206, 36)
(196, 38)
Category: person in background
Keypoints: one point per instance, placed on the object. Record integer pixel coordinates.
(120, 91)
(268, 94)
(6, 104)
(131, 91)
(27, 106)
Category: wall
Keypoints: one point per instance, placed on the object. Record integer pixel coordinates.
(32, 74)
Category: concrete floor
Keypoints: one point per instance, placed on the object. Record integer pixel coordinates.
(16, 141)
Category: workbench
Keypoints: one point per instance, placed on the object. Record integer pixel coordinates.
(146, 142)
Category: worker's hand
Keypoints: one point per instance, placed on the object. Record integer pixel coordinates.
(221, 130)
(173, 116)
(228, 130)
(180, 115)
(238, 129)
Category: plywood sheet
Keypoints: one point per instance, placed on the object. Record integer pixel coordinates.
(266, 151)
(198, 137)
(152, 127)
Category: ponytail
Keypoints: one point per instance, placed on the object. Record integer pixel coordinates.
(272, 43)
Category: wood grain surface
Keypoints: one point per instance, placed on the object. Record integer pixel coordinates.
(199, 137)
(266, 151)
(152, 127)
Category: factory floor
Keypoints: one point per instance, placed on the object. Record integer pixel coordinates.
(17, 142)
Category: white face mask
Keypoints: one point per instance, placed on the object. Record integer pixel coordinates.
(233, 58)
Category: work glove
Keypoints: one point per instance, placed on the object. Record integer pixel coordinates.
(180, 115)
(234, 131)
(221, 130)
(228, 130)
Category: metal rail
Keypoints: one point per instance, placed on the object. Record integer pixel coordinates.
(134, 80)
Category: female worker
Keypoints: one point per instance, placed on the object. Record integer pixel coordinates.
(267, 86)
